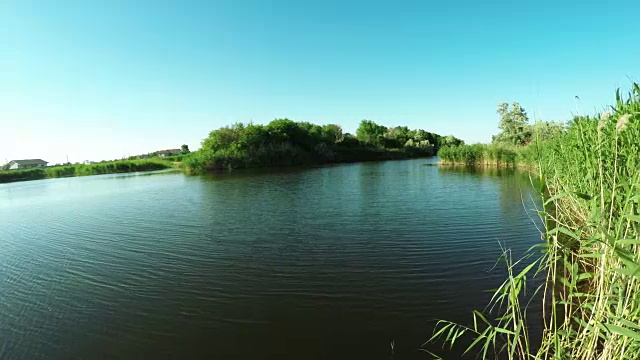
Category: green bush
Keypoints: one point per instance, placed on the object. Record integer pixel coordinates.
(21, 175)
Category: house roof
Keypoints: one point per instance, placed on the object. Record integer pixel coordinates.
(29, 161)
(170, 151)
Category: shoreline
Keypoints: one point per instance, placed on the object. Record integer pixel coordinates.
(113, 167)
(377, 156)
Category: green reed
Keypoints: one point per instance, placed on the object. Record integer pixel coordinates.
(482, 154)
(589, 181)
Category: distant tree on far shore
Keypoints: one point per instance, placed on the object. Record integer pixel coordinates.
(514, 124)
(185, 149)
(371, 133)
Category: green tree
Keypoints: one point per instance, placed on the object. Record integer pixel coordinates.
(421, 135)
(282, 129)
(184, 149)
(547, 129)
(223, 138)
(514, 124)
(398, 136)
(450, 140)
(371, 133)
(332, 133)
(349, 140)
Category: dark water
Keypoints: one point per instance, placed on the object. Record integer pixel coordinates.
(325, 263)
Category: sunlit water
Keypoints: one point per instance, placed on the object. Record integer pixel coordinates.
(328, 263)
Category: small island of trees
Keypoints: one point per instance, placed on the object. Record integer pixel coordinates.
(284, 142)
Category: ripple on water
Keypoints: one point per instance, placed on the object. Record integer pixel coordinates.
(329, 262)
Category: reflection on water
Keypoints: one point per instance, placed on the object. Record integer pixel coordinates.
(328, 262)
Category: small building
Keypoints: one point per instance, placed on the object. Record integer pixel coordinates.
(169, 152)
(26, 164)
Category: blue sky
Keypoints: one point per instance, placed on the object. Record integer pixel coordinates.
(100, 80)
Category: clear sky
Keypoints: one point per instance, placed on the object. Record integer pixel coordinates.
(103, 79)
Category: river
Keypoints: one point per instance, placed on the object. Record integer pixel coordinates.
(333, 262)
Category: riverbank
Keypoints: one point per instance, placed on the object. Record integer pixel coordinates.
(195, 165)
(112, 167)
(589, 182)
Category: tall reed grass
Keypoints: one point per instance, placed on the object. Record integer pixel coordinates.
(589, 180)
(482, 154)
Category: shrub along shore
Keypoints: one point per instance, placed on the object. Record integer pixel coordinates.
(589, 182)
(112, 167)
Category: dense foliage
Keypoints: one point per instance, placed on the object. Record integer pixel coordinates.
(504, 153)
(122, 166)
(516, 129)
(589, 176)
(514, 124)
(479, 154)
(285, 142)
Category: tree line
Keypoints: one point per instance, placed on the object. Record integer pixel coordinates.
(284, 142)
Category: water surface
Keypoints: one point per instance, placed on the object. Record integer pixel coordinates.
(327, 263)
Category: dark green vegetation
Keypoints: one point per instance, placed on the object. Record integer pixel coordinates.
(122, 166)
(590, 264)
(284, 142)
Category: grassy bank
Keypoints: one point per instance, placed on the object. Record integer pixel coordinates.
(590, 185)
(489, 154)
(113, 167)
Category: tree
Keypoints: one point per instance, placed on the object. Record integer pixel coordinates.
(371, 133)
(547, 129)
(399, 133)
(514, 124)
(223, 138)
(450, 140)
(184, 149)
(349, 140)
(421, 135)
(332, 133)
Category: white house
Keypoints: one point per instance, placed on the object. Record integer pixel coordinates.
(26, 164)
(169, 152)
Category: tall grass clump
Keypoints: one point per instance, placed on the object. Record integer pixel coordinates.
(590, 297)
(480, 154)
(122, 166)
